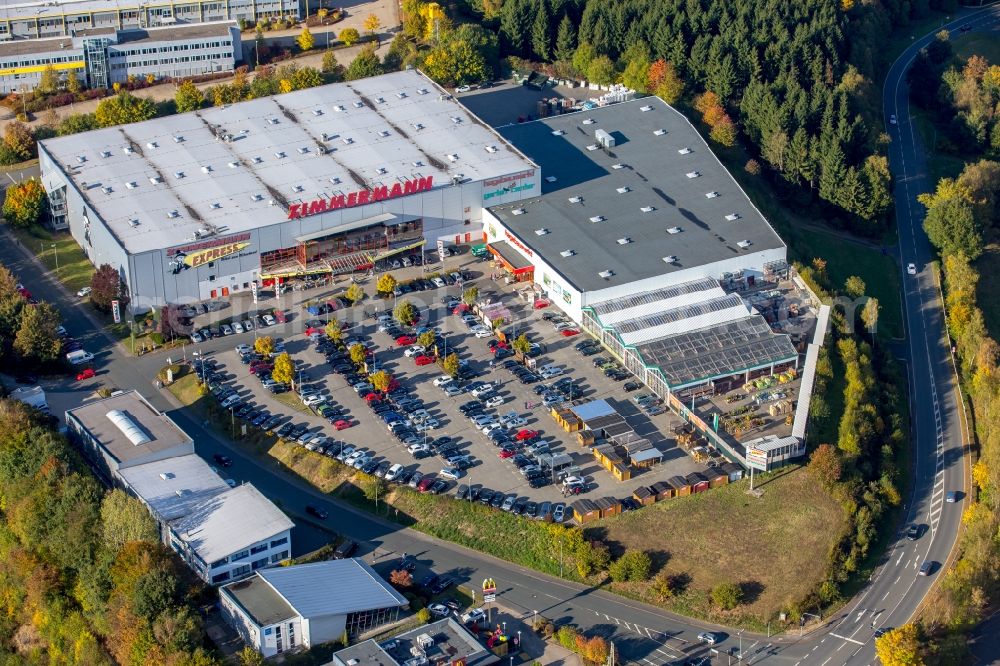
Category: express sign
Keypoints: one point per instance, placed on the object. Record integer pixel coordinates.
(359, 198)
(205, 256)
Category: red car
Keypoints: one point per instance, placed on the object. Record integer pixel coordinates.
(493, 345)
(280, 316)
(263, 367)
(524, 435)
(85, 374)
(506, 453)
(570, 332)
(373, 397)
(461, 308)
(342, 424)
(425, 483)
(423, 360)
(406, 340)
(541, 303)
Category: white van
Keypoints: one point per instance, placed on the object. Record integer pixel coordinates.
(79, 356)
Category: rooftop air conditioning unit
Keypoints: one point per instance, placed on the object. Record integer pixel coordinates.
(604, 139)
(647, 209)
(577, 199)
(693, 174)
(597, 218)
(670, 260)
(568, 253)
(659, 132)
(624, 241)
(607, 275)
(711, 195)
(684, 151)
(744, 244)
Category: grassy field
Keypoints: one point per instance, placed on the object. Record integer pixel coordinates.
(725, 535)
(983, 44)
(844, 259)
(74, 269)
(989, 276)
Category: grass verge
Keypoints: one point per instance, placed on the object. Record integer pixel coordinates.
(988, 266)
(983, 44)
(57, 249)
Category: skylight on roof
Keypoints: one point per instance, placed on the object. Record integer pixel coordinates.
(550, 179)
(732, 217)
(232, 165)
(517, 211)
(303, 150)
(127, 150)
(358, 104)
(380, 100)
(107, 189)
(173, 214)
(646, 108)
(131, 185)
(711, 195)
(272, 121)
(568, 253)
(280, 154)
(257, 197)
(744, 244)
(179, 139)
(317, 112)
(216, 205)
(178, 174)
(105, 153)
(152, 145)
(684, 151)
(418, 164)
(624, 241)
(348, 140)
(659, 132)
(155, 180)
(335, 180)
(384, 133)
(693, 174)
(576, 199)
(607, 274)
(647, 209)
(597, 218)
(456, 119)
(670, 260)
(382, 171)
(624, 190)
(401, 95)
(541, 232)
(418, 126)
(452, 157)
(617, 166)
(257, 159)
(674, 230)
(491, 149)
(558, 132)
(297, 188)
(206, 169)
(589, 121)
(421, 91)
(592, 146)
(81, 159)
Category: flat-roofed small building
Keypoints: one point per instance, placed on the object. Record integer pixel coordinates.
(442, 642)
(308, 604)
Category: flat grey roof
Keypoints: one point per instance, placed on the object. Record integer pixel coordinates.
(334, 587)
(510, 255)
(163, 433)
(451, 642)
(229, 522)
(173, 487)
(20, 47)
(175, 32)
(649, 136)
(259, 601)
(22, 9)
(157, 182)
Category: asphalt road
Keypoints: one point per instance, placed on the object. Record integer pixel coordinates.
(644, 634)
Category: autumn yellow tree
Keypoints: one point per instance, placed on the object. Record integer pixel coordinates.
(381, 380)
(18, 138)
(900, 647)
(305, 40)
(284, 369)
(264, 345)
(24, 203)
(372, 24)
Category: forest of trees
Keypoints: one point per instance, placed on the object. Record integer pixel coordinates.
(85, 579)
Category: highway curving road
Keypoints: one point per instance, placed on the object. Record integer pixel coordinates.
(644, 634)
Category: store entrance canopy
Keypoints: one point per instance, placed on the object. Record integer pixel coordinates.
(387, 219)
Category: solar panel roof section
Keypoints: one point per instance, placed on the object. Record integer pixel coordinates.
(717, 351)
(689, 317)
(648, 193)
(657, 307)
(618, 305)
(276, 152)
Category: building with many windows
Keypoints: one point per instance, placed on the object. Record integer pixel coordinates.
(101, 57)
(222, 530)
(36, 19)
(282, 609)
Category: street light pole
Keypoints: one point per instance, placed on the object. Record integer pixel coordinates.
(55, 248)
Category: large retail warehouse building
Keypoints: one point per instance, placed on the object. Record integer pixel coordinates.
(330, 179)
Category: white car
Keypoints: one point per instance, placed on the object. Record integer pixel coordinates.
(414, 449)
(196, 337)
(451, 473)
(475, 615)
(490, 427)
(495, 401)
(439, 610)
(354, 455)
(429, 424)
(573, 480)
(419, 415)
(393, 472)
(443, 380)
(269, 320)
(438, 282)
(415, 350)
(311, 400)
(515, 422)
(463, 89)
(238, 327)
(243, 349)
(911, 269)
(481, 390)
(451, 390)
(361, 462)
(548, 373)
(892, 119)
(83, 292)
(345, 453)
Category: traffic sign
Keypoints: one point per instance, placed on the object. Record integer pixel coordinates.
(489, 598)
(116, 312)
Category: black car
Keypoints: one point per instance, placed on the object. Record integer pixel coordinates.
(316, 512)
(298, 431)
(345, 549)
(442, 584)
(519, 506)
(223, 460)
(497, 500)
(370, 467)
(429, 581)
(539, 481)
(485, 495)
(530, 509)
(631, 386)
(285, 430)
(540, 389)
(913, 532)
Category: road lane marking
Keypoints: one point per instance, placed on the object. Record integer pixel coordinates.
(845, 638)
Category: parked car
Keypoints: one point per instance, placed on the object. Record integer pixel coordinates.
(345, 549)
(316, 512)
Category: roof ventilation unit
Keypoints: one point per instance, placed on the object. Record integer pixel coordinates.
(81, 159)
(597, 218)
(155, 180)
(348, 140)
(593, 146)
(456, 119)
(558, 132)
(732, 217)
(517, 211)
(401, 95)
(744, 244)
(684, 151)
(173, 215)
(216, 205)
(418, 164)
(421, 91)
(674, 230)
(541, 232)
(107, 190)
(491, 149)
(693, 174)
(206, 169)
(607, 275)
(647, 209)
(127, 150)
(568, 253)
(335, 180)
(131, 185)
(272, 121)
(550, 179)
(152, 145)
(179, 138)
(178, 174)
(358, 104)
(133, 223)
(659, 132)
(646, 108)
(452, 157)
(128, 427)
(297, 188)
(670, 260)
(317, 112)
(382, 171)
(257, 197)
(624, 190)
(589, 121)
(616, 167)
(339, 108)
(577, 199)
(604, 139)
(624, 241)
(384, 133)
(303, 150)
(257, 159)
(711, 195)
(232, 165)
(105, 153)
(418, 126)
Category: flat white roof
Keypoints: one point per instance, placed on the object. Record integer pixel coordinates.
(239, 167)
(174, 486)
(229, 522)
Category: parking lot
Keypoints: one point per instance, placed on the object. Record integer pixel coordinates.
(367, 437)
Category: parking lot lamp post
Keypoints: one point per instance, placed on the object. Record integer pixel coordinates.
(740, 635)
(232, 423)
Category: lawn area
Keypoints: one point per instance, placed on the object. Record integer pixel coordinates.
(983, 44)
(727, 536)
(988, 266)
(845, 258)
(74, 269)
